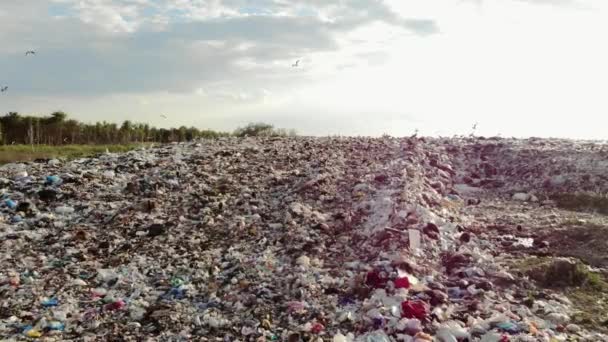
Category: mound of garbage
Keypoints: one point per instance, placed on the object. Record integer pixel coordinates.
(276, 239)
(544, 166)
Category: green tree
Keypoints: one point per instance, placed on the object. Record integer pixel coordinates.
(254, 130)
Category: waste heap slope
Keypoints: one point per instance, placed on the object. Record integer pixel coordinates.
(278, 239)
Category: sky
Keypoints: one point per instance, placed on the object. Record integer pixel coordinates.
(366, 67)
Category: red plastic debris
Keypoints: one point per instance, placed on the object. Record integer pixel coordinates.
(402, 283)
(317, 328)
(375, 280)
(414, 309)
(14, 282)
(504, 338)
(117, 305)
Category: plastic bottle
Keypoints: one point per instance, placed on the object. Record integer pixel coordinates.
(10, 203)
(64, 210)
(444, 335)
(56, 326)
(53, 180)
(339, 338)
(50, 302)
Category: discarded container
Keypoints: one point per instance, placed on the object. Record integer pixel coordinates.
(444, 335)
(414, 238)
(109, 174)
(509, 327)
(56, 326)
(53, 180)
(339, 338)
(10, 203)
(50, 302)
(64, 210)
(29, 331)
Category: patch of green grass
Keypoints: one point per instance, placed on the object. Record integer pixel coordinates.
(591, 307)
(24, 153)
(588, 291)
(550, 273)
(582, 202)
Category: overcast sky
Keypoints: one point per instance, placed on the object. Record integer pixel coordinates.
(367, 67)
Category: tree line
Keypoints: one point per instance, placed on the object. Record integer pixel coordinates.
(57, 129)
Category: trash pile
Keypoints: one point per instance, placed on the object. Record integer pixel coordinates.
(541, 165)
(266, 239)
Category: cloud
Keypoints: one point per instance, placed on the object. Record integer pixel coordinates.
(421, 26)
(172, 60)
(97, 47)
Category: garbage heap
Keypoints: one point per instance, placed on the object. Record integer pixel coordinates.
(543, 166)
(268, 239)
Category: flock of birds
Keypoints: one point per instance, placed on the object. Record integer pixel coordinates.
(5, 88)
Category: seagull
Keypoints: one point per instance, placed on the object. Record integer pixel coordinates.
(3, 89)
(474, 129)
(163, 116)
(295, 65)
(30, 52)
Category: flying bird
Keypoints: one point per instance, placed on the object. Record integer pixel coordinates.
(474, 129)
(295, 65)
(163, 116)
(30, 52)
(3, 89)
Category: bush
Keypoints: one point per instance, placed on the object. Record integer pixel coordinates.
(582, 202)
(261, 129)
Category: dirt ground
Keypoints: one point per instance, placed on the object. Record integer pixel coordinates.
(582, 235)
(554, 232)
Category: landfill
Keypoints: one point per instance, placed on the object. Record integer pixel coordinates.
(285, 239)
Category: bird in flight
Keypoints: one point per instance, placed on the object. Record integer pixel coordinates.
(30, 52)
(3, 89)
(295, 65)
(474, 129)
(163, 116)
